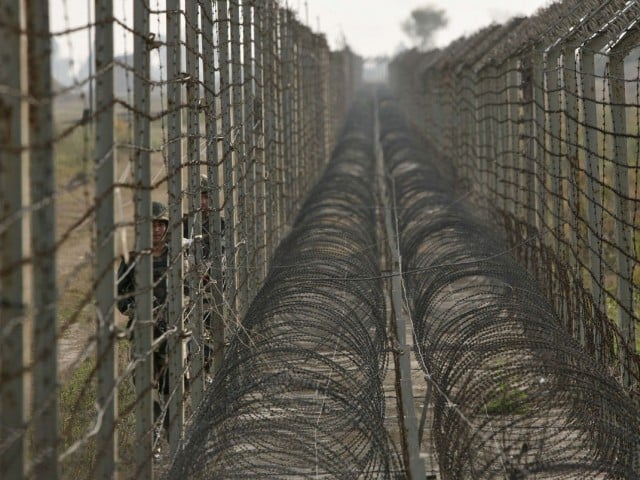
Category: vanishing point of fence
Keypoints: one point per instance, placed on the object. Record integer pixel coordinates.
(227, 112)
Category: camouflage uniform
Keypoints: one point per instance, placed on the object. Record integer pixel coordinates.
(126, 305)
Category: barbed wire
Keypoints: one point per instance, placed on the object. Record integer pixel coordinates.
(539, 117)
(300, 390)
(535, 123)
(516, 397)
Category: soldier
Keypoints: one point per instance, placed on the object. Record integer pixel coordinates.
(126, 304)
(207, 211)
(206, 268)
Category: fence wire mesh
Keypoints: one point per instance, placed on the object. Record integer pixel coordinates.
(541, 118)
(513, 394)
(300, 391)
(223, 112)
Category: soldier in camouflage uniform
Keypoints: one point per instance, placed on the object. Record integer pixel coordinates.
(205, 268)
(126, 303)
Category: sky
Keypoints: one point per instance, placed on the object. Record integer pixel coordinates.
(372, 27)
(369, 27)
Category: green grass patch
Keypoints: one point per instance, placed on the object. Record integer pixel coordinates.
(77, 415)
(506, 400)
(77, 410)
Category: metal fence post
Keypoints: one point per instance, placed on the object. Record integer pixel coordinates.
(250, 273)
(523, 123)
(514, 138)
(319, 144)
(289, 160)
(315, 68)
(42, 189)
(553, 160)
(278, 199)
(593, 187)
(14, 247)
(306, 172)
(528, 155)
(435, 114)
(623, 208)
(261, 142)
(571, 164)
(228, 162)
(483, 134)
(449, 104)
(323, 67)
(194, 222)
(270, 134)
(175, 298)
(215, 305)
(485, 126)
(458, 126)
(469, 151)
(553, 153)
(143, 328)
(503, 135)
(311, 139)
(570, 112)
(493, 131)
(239, 160)
(105, 239)
(537, 147)
(298, 157)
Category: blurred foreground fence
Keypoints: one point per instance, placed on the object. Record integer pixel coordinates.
(541, 118)
(239, 92)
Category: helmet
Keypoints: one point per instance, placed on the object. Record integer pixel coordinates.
(159, 212)
(204, 183)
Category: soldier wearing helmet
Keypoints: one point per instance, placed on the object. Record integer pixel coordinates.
(159, 251)
(126, 302)
(206, 210)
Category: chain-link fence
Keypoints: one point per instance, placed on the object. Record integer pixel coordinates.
(143, 194)
(541, 119)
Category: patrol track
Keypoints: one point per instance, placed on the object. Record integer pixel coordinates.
(300, 390)
(514, 395)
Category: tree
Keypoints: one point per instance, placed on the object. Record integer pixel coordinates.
(423, 23)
